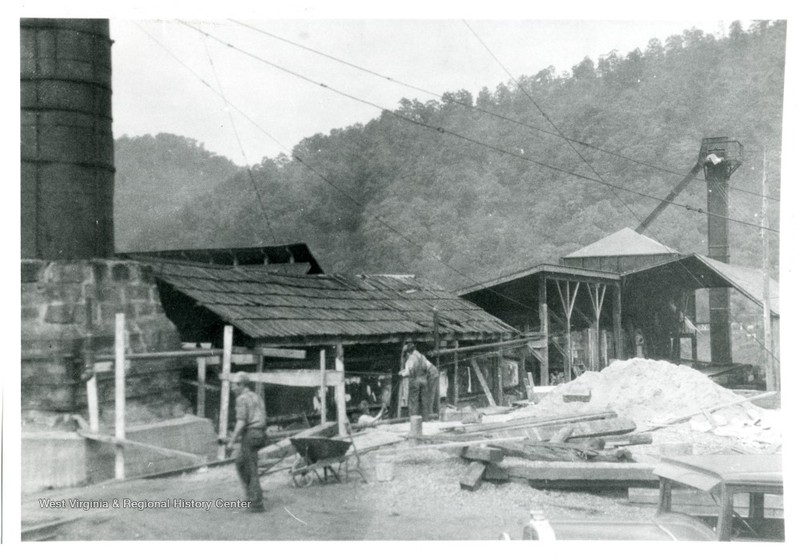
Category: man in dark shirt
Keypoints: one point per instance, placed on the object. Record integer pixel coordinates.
(251, 423)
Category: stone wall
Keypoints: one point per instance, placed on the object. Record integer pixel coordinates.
(64, 301)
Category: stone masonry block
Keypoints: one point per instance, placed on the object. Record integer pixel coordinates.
(120, 272)
(32, 270)
(60, 313)
(137, 293)
(31, 313)
(63, 272)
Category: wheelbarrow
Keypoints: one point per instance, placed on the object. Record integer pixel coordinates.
(316, 453)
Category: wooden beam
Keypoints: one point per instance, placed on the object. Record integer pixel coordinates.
(510, 344)
(341, 403)
(225, 392)
(295, 378)
(477, 369)
(473, 476)
(616, 309)
(260, 385)
(201, 387)
(456, 382)
(556, 474)
(323, 388)
(586, 429)
(117, 441)
(544, 320)
(275, 352)
(119, 394)
(92, 404)
(485, 454)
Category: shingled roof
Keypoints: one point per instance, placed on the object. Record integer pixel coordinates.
(300, 309)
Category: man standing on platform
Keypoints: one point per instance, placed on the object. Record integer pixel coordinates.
(251, 424)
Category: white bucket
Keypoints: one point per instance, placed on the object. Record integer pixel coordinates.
(384, 468)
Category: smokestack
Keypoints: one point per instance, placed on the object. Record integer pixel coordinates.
(66, 139)
(720, 158)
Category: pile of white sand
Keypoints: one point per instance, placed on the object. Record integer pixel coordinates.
(646, 391)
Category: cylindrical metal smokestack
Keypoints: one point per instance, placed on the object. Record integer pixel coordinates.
(67, 145)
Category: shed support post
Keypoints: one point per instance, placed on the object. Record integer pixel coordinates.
(616, 309)
(323, 388)
(341, 403)
(544, 320)
(455, 376)
(201, 387)
(260, 387)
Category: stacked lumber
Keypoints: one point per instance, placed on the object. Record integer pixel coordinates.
(570, 451)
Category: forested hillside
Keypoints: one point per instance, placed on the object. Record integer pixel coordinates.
(449, 190)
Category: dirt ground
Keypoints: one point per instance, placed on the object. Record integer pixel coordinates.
(423, 501)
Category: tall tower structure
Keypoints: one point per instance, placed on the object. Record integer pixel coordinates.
(67, 144)
(720, 158)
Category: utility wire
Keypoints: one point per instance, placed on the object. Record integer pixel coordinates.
(241, 147)
(549, 121)
(546, 117)
(466, 138)
(345, 193)
(307, 165)
(482, 110)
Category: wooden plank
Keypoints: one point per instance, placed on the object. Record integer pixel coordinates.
(341, 402)
(495, 473)
(225, 392)
(711, 409)
(473, 476)
(537, 421)
(275, 352)
(563, 434)
(628, 440)
(477, 369)
(323, 387)
(201, 387)
(119, 394)
(585, 429)
(576, 394)
(92, 404)
(586, 475)
(295, 378)
(105, 438)
(479, 453)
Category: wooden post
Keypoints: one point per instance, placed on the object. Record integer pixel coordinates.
(201, 387)
(455, 375)
(598, 296)
(225, 388)
(616, 309)
(544, 320)
(119, 395)
(260, 387)
(88, 370)
(323, 388)
(500, 386)
(568, 304)
(341, 403)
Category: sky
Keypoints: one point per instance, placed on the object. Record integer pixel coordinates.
(246, 95)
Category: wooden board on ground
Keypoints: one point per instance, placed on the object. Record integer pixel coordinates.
(585, 429)
(495, 473)
(487, 455)
(526, 422)
(471, 479)
(628, 440)
(583, 475)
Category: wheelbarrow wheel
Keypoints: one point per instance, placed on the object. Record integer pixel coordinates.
(301, 477)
